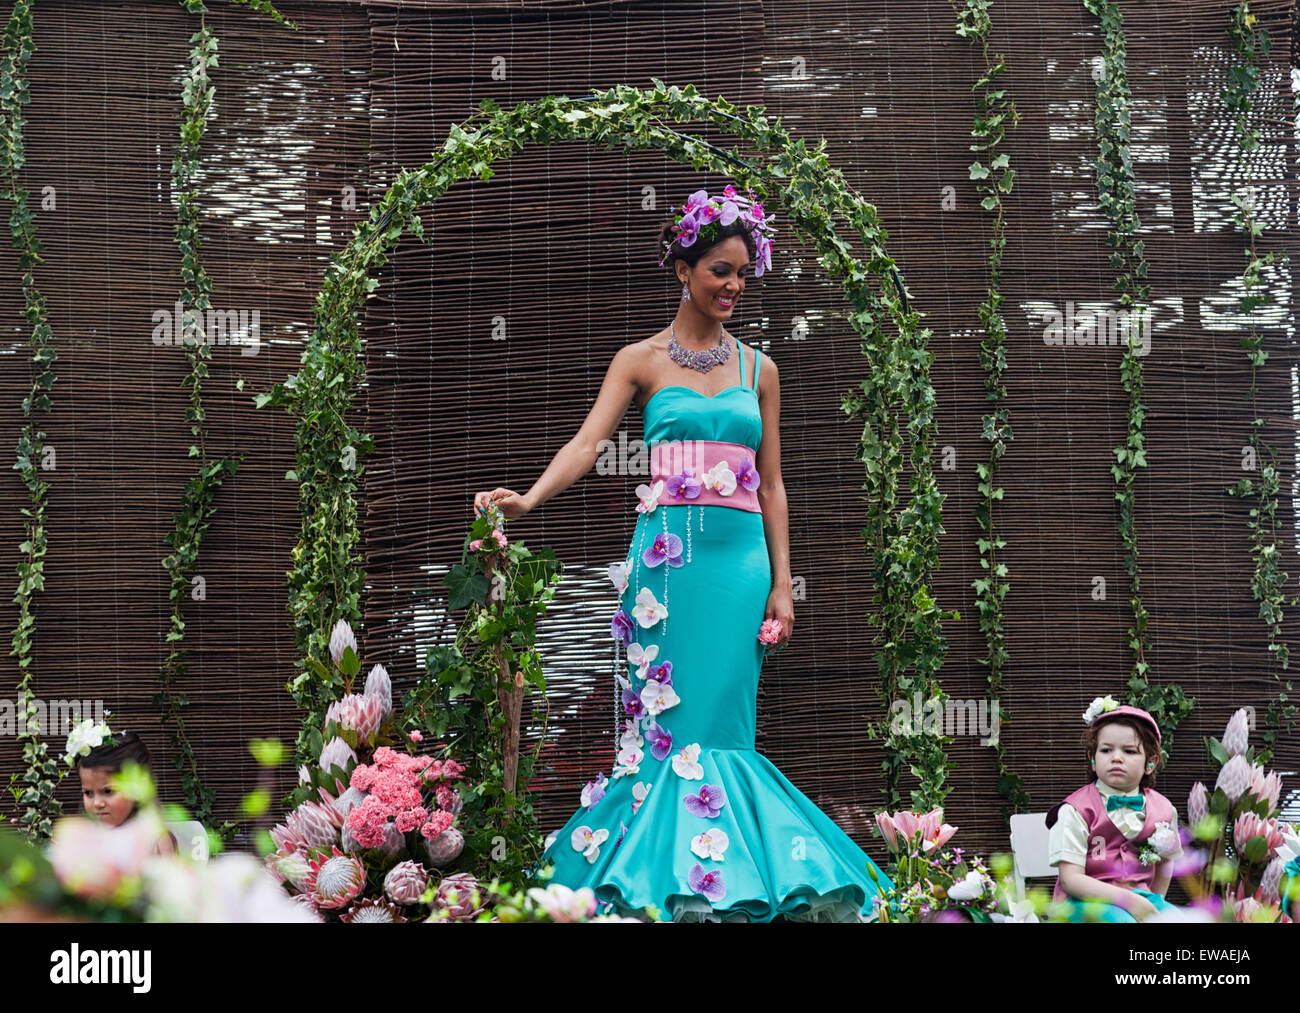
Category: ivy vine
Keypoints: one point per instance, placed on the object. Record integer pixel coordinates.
(41, 775)
(1117, 196)
(1268, 582)
(326, 581)
(994, 111)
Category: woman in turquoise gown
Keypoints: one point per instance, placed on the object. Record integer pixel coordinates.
(692, 820)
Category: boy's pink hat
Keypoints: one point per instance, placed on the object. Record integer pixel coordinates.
(1133, 712)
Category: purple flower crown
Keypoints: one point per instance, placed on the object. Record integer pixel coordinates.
(703, 215)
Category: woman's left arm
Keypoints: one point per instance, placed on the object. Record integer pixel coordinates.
(771, 498)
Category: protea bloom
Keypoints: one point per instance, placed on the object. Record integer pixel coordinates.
(359, 713)
(294, 866)
(318, 825)
(373, 909)
(1234, 778)
(458, 898)
(337, 753)
(445, 848)
(406, 882)
(1198, 804)
(379, 685)
(1270, 884)
(342, 637)
(1236, 737)
(334, 881)
(286, 836)
(1265, 787)
(1249, 825)
(344, 803)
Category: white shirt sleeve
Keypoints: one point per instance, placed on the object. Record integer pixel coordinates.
(1068, 838)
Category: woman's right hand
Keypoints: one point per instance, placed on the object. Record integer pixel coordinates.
(510, 503)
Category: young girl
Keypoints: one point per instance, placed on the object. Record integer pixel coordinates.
(96, 769)
(1098, 834)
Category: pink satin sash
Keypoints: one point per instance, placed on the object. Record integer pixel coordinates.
(700, 457)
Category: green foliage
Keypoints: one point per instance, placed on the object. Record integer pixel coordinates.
(41, 773)
(994, 111)
(1116, 193)
(1268, 582)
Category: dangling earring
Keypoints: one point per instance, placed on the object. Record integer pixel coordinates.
(686, 293)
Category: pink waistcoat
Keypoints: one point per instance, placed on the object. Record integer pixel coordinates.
(1119, 863)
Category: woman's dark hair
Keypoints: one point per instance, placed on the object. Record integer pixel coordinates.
(691, 255)
(1150, 748)
(129, 749)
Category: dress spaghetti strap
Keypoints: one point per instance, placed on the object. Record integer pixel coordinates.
(740, 350)
(758, 361)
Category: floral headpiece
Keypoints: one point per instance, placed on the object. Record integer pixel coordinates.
(1109, 707)
(703, 215)
(87, 736)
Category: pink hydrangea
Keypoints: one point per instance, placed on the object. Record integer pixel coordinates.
(438, 822)
(367, 821)
(409, 819)
(363, 776)
(417, 736)
(446, 797)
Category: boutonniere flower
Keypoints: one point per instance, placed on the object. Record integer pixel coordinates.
(686, 764)
(684, 485)
(1100, 705)
(620, 628)
(707, 802)
(658, 697)
(661, 741)
(721, 479)
(708, 883)
(588, 842)
(639, 791)
(647, 610)
(642, 657)
(666, 547)
(710, 844)
(649, 496)
(618, 574)
(594, 791)
(746, 475)
(1163, 843)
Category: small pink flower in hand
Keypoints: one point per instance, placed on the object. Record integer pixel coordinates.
(770, 631)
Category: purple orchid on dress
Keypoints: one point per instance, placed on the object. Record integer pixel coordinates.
(661, 673)
(594, 791)
(708, 802)
(685, 484)
(661, 740)
(708, 883)
(632, 703)
(665, 547)
(746, 475)
(620, 628)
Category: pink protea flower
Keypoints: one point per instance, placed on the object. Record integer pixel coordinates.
(373, 909)
(1249, 825)
(1198, 804)
(357, 712)
(293, 867)
(317, 824)
(1236, 737)
(887, 830)
(458, 898)
(342, 637)
(1234, 778)
(378, 684)
(1270, 884)
(337, 753)
(334, 881)
(406, 882)
(770, 631)
(1271, 792)
(445, 848)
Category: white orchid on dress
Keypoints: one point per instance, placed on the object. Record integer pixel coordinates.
(618, 574)
(631, 737)
(629, 761)
(721, 479)
(588, 841)
(647, 611)
(710, 844)
(639, 791)
(686, 763)
(658, 697)
(642, 657)
(649, 497)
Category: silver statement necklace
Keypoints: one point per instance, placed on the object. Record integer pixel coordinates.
(701, 362)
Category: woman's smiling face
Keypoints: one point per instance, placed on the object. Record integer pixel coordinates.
(718, 280)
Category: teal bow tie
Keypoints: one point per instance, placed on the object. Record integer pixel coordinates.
(1114, 802)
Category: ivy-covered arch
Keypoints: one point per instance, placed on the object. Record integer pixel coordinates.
(894, 402)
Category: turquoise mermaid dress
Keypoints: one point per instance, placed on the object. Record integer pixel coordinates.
(719, 834)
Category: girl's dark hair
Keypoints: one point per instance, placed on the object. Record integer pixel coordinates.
(691, 255)
(129, 749)
(1150, 748)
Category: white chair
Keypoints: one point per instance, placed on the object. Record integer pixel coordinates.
(191, 839)
(1029, 844)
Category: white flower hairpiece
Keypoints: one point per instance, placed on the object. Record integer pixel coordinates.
(86, 736)
(1100, 705)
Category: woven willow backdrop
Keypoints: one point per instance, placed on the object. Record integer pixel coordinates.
(487, 348)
